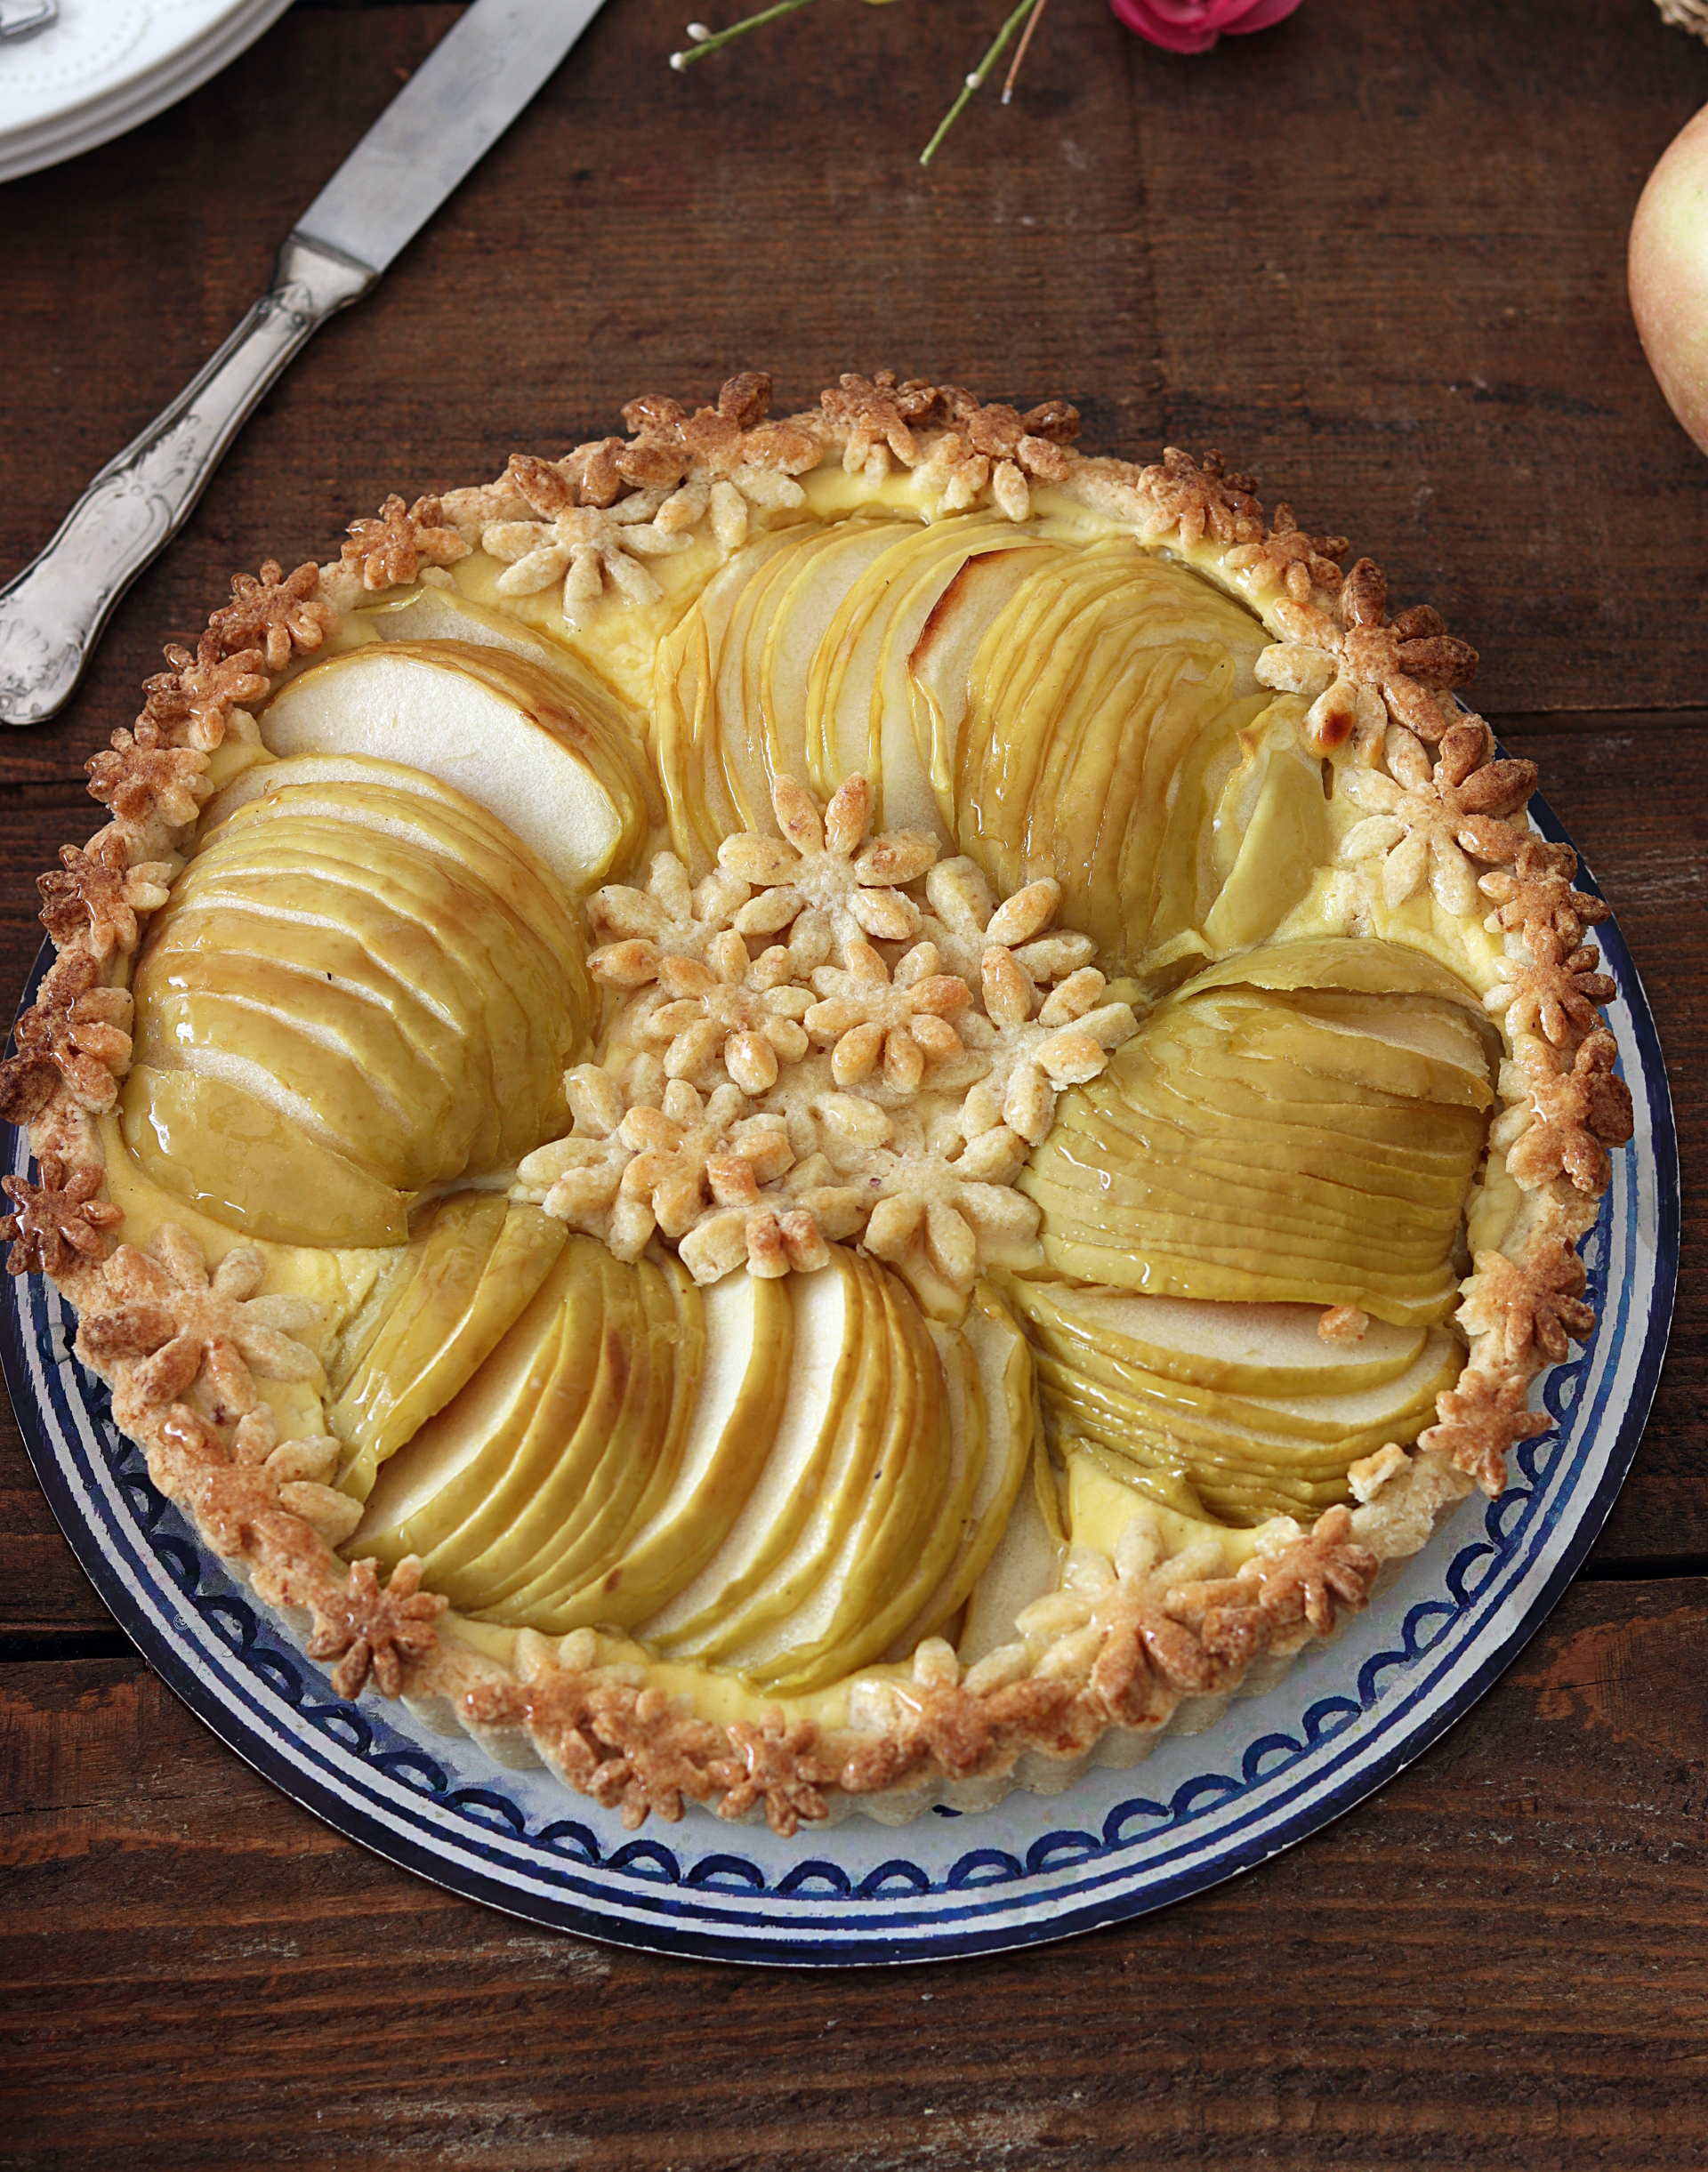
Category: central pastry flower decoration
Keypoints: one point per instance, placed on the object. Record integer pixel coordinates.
(757, 1100)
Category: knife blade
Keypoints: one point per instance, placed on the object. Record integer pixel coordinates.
(454, 107)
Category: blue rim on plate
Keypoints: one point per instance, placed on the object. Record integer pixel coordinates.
(1272, 1770)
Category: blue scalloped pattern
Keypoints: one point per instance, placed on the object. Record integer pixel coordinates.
(281, 1669)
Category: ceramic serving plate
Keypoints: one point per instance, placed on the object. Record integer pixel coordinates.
(1271, 1770)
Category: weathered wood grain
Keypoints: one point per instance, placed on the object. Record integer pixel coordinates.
(1469, 1971)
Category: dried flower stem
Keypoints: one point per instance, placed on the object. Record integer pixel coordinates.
(720, 38)
(1021, 51)
(999, 45)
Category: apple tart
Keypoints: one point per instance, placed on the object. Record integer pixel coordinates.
(822, 1113)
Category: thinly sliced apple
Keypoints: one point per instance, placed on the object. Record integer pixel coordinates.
(1368, 963)
(1207, 1414)
(541, 1374)
(561, 1471)
(830, 1349)
(704, 803)
(940, 665)
(558, 763)
(237, 1158)
(841, 1597)
(379, 960)
(789, 639)
(873, 1423)
(578, 1538)
(1064, 699)
(859, 713)
(1230, 1275)
(429, 614)
(1246, 1349)
(478, 1264)
(999, 1398)
(749, 1348)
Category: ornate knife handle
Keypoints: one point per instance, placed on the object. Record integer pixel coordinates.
(51, 615)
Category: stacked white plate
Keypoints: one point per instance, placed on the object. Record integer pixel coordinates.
(107, 65)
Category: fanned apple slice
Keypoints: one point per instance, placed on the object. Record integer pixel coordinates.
(240, 1160)
(1316, 1422)
(1370, 964)
(784, 645)
(859, 717)
(749, 1351)
(1232, 1275)
(477, 1264)
(635, 1468)
(836, 1337)
(1245, 1349)
(536, 1383)
(704, 804)
(429, 927)
(995, 1396)
(561, 1471)
(940, 665)
(885, 1543)
(552, 753)
(874, 1424)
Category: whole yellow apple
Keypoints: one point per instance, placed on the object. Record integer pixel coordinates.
(1669, 275)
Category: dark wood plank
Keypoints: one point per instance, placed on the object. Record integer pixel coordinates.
(1353, 250)
(1499, 1962)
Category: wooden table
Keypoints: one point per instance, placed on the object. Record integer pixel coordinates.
(1378, 254)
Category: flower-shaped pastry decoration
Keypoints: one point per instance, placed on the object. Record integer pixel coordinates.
(1534, 1304)
(825, 879)
(996, 448)
(964, 921)
(932, 1213)
(189, 705)
(382, 1630)
(390, 552)
(175, 1325)
(586, 547)
(1482, 1415)
(78, 1031)
(60, 1223)
(669, 916)
(1557, 990)
(146, 782)
(1537, 891)
(872, 1020)
(281, 614)
(1360, 667)
(1577, 1114)
(722, 462)
(1287, 558)
(1198, 499)
(1425, 820)
(1063, 1039)
(727, 1009)
(873, 418)
(95, 895)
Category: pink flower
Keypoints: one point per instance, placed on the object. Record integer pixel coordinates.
(1194, 26)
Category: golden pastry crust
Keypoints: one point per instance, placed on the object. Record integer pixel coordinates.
(1118, 1646)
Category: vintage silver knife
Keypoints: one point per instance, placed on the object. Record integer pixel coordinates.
(455, 106)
